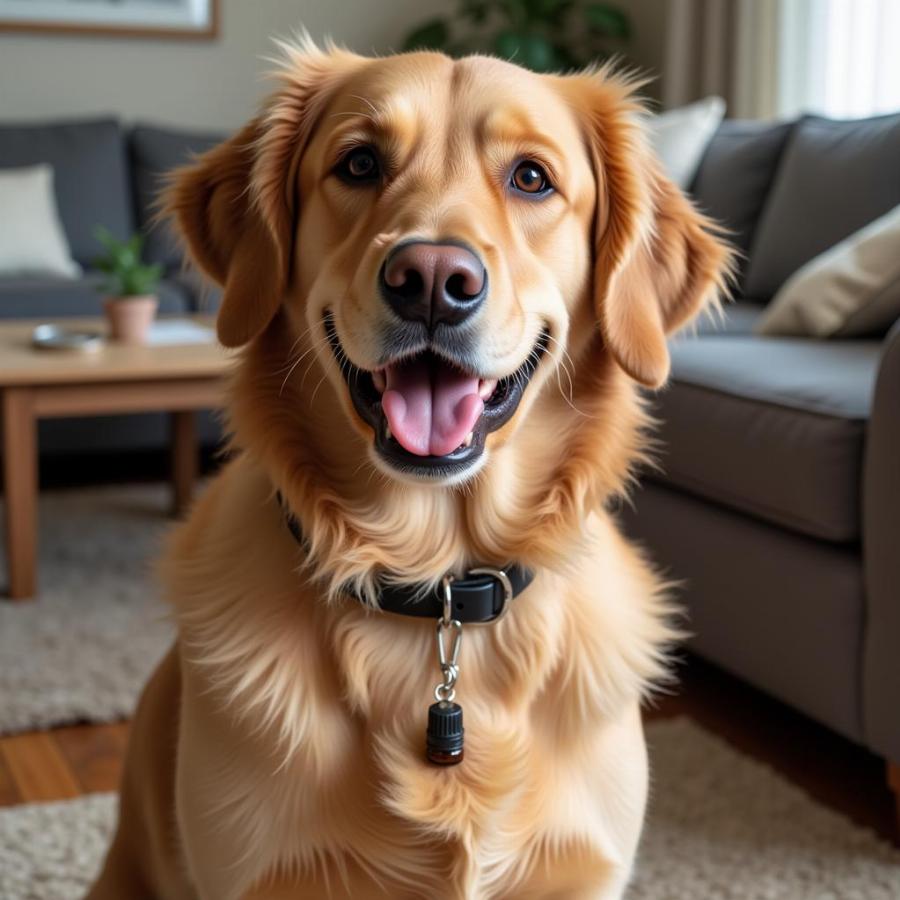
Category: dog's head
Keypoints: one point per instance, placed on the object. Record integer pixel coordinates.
(446, 240)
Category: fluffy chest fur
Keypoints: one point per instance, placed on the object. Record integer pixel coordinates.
(301, 748)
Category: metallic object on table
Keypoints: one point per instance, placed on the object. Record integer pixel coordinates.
(59, 337)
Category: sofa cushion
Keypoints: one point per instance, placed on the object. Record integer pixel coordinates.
(90, 176)
(39, 298)
(736, 173)
(771, 426)
(154, 153)
(206, 296)
(784, 611)
(834, 178)
(739, 317)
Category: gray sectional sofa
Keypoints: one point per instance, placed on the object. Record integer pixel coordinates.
(103, 175)
(778, 501)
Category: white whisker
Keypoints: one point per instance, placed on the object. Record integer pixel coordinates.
(312, 399)
(300, 359)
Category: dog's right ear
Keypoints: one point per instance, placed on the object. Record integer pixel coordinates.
(237, 205)
(219, 217)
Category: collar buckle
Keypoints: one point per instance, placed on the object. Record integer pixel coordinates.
(505, 583)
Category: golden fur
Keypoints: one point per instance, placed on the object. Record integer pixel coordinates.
(277, 752)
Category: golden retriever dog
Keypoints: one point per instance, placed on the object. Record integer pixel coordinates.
(448, 280)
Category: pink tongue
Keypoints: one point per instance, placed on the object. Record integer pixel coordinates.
(430, 406)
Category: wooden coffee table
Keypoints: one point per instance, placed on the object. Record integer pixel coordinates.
(37, 384)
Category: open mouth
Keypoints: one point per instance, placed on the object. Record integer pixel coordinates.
(430, 416)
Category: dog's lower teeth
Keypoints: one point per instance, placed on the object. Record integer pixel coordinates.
(469, 438)
(379, 381)
(486, 387)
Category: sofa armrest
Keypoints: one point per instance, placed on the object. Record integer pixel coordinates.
(881, 557)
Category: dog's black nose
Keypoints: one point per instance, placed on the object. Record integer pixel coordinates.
(433, 283)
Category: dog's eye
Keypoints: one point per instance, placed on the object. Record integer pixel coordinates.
(359, 165)
(529, 178)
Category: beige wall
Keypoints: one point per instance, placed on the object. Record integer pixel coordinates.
(207, 84)
(213, 84)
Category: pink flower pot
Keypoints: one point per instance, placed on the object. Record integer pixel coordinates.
(130, 318)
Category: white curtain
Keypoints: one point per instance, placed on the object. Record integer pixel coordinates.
(780, 58)
(840, 58)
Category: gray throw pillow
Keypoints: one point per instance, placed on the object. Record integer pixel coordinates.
(835, 177)
(736, 173)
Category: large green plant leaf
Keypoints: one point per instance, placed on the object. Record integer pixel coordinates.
(566, 60)
(513, 8)
(544, 35)
(544, 10)
(432, 35)
(531, 50)
(607, 20)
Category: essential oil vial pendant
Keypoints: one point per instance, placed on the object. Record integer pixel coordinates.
(444, 741)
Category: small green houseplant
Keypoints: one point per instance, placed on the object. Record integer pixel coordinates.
(543, 35)
(130, 301)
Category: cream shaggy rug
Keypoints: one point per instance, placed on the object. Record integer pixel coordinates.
(83, 648)
(721, 827)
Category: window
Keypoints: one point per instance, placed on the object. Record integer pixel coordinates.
(839, 58)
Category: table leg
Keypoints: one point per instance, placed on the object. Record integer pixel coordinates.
(20, 491)
(184, 458)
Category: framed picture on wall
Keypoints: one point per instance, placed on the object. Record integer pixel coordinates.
(138, 18)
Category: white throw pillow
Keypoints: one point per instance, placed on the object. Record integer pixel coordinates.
(851, 290)
(680, 137)
(32, 240)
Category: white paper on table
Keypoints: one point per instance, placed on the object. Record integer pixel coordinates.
(172, 332)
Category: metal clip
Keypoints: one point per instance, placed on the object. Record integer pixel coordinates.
(449, 663)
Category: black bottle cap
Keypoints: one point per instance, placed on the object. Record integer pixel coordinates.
(444, 743)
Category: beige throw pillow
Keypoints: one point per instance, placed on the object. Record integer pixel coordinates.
(32, 240)
(851, 290)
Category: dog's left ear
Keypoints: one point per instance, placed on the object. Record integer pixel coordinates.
(657, 260)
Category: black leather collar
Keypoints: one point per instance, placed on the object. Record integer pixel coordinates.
(482, 596)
